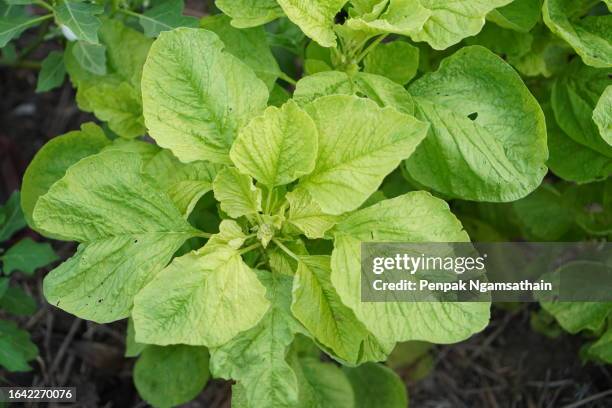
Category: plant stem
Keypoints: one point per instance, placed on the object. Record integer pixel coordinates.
(269, 199)
(249, 248)
(370, 47)
(203, 234)
(287, 78)
(286, 250)
(43, 4)
(27, 64)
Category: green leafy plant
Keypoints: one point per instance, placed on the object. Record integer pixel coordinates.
(24, 256)
(233, 242)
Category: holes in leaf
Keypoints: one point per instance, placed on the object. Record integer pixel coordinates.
(473, 115)
(341, 17)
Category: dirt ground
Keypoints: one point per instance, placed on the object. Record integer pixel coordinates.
(508, 365)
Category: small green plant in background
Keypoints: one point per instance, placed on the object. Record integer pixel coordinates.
(25, 256)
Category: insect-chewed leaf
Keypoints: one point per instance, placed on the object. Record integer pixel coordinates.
(359, 144)
(217, 95)
(129, 230)
(413, 217)
(487, 142)
(277, 147)
(200, 300)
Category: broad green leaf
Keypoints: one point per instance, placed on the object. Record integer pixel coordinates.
(376, 385)
(200, 300)
(403, 17)
(307, 215)
(588, 35)
(601, 349)
(132, 347)
(52, 72)
(218, 95)
(567, 157)
(4, 284)
(257, 358)
(322, 385)
(520, 15)
(277, 147)
(236, 193)
(115, 97)
(12, 26)
(184, 183)
(396, 60)
(591, 204)
(80, 18)
(413, 217)
(331, 322)
(508, 44)
(27, 256)
(165, 16)
(169, 376)
(315, 18)
(91, 57)
(574, 97)
(450, 22)
(359, 144)
(11, 217)
(16, 348)
(547, 56)
(381, 90)
(487, 142)
(52, 161)
(17, 302)
(137, 228)
(278, 96)
(575, 317)
(544, 215)
(248, 45)
(602, 115)
(250, 13)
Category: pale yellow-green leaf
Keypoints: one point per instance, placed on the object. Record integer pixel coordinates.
(196, 95)
(277, 147)
(359, 144)
(200, 300)
(236, 193)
